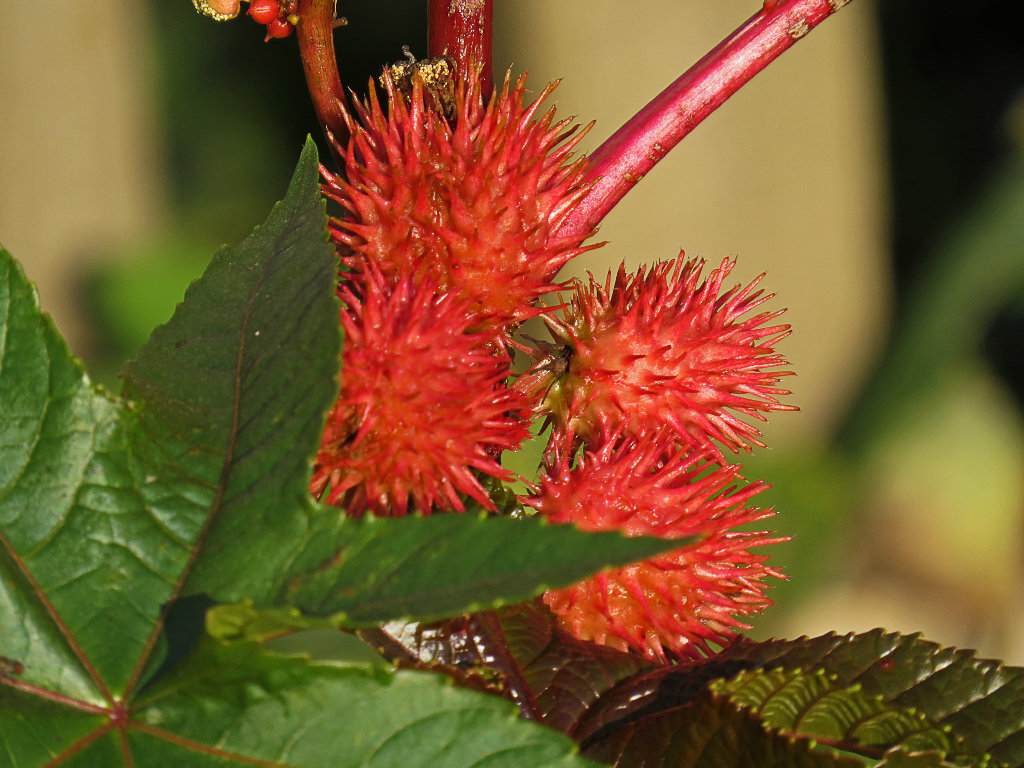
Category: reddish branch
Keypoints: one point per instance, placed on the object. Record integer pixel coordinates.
(641, 143)
(315, 31)
(462, 29)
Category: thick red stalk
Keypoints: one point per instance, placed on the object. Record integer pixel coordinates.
(627, 156)
(463, 29)
(315, 32)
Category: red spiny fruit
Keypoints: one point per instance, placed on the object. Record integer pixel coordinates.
(676, 603)
(472, 201)
(662, 349)
(422, 404)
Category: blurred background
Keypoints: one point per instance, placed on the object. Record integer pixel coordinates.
(875, 172)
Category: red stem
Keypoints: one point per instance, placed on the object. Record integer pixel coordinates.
(626, 157)
(315, 32)
(463, 30)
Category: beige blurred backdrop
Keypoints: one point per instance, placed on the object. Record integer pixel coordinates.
(788, 177)
(79, 143)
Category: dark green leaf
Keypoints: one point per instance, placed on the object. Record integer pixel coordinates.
(237, 704)
(241, 621)
(431, 567)
(891, 697)
(708, 732)
(815, 704)
(565, 675)
(518, 652)
(231, 395)
(899, 759)
(108, 507)
(980, 701)
(75, 533)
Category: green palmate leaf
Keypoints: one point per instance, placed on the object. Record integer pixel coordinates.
(427, 568)
(232, 391)
(110, 509)
(233, 704)
(52, 423)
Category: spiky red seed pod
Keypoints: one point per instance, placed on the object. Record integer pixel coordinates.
(677, 603)
(472, 202)
(661, 348)
(422, 405)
